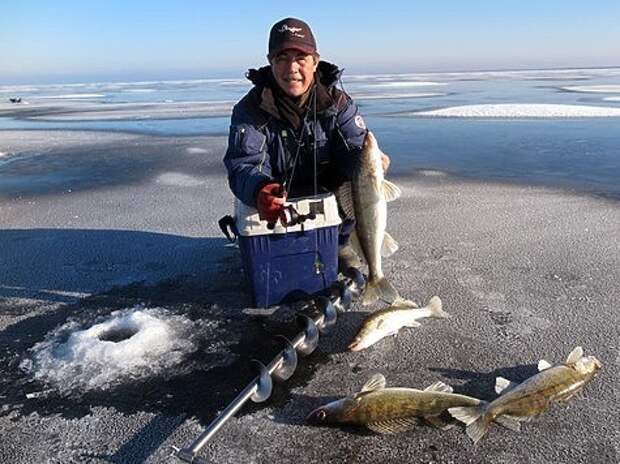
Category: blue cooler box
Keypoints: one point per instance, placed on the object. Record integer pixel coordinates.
(287, 263)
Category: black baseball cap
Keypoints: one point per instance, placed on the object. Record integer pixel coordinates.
(291, 33)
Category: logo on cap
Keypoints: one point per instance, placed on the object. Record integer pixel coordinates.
(294, 31)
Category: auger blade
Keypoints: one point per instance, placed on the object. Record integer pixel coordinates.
(330, 315)
(264, 384)
(288, 364)
(311, 335)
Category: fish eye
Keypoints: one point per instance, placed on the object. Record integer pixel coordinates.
(321, 415)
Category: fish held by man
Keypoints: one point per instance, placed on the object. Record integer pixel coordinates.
(392, 410)
(522, 402)
(365, 199)
(388, 321)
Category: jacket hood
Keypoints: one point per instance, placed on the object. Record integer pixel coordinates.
(328, 74)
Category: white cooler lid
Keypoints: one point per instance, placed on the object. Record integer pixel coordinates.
(248, 222)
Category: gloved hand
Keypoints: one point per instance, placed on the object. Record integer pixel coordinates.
(269, 202)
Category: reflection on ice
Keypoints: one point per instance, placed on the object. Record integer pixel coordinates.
(130, 344)
(524, 110)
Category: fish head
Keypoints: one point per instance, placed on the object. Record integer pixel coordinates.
(588, 365)
(332, 413)
(369, 334)
(370, 156)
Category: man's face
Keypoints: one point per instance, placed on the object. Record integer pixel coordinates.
(293, 71)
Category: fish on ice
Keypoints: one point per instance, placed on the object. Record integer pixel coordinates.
(392, 410)
(388, 321)
(521, 402)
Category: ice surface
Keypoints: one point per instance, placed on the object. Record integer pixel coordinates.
(134, 343)
(521, 110)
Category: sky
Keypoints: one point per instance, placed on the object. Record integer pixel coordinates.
(84, 41)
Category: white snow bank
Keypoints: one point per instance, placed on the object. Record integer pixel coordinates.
(394, 96)
(403, 84)
(69, 96)
(133, 343)
(613, 88)
(525, 110)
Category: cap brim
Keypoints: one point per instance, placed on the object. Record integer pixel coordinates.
(309, 49)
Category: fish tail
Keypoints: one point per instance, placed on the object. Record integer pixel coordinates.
(475, 418)
(379, 289)
(436, 308)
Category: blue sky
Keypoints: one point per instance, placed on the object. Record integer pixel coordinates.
(67, 40)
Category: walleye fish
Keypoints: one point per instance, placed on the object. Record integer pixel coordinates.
(388, 321)
(522, 402)
(391, 410)
(364, 199)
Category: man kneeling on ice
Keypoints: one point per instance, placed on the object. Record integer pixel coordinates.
(295, 131)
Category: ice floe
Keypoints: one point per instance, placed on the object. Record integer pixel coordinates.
(612, 88)
(612, 99)
(521, 110)
(134, 343)
(394, 96)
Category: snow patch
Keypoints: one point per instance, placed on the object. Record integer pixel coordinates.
(526, 110)
(178, 179)
(613, 88)
(197, 150)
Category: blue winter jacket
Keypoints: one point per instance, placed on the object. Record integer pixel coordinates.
(259, 143)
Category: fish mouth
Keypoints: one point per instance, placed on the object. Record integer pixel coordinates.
(316, 417)
(355, 345)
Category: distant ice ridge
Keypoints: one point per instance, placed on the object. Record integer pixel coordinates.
(613, 88)
(612, 99)
(70, 96)
(394, 96)
(521, 110)
(134, 343)
(393, 84)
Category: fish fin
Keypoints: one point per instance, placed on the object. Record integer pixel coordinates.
(575, 355)
(503, 385)
(509, 422)
(412, 324)
(389, 246)
(376, 382)
(435, 305)
(542, 365)
(439, 386)
(379, 289)
(439, 423)
(391, 191)
(404, 303)
(466, 414)
(344, 195)
(474, 418)
(392, 426)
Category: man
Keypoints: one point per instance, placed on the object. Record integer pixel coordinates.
(294, 132)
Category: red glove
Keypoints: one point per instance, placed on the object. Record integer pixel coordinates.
(269, 202)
